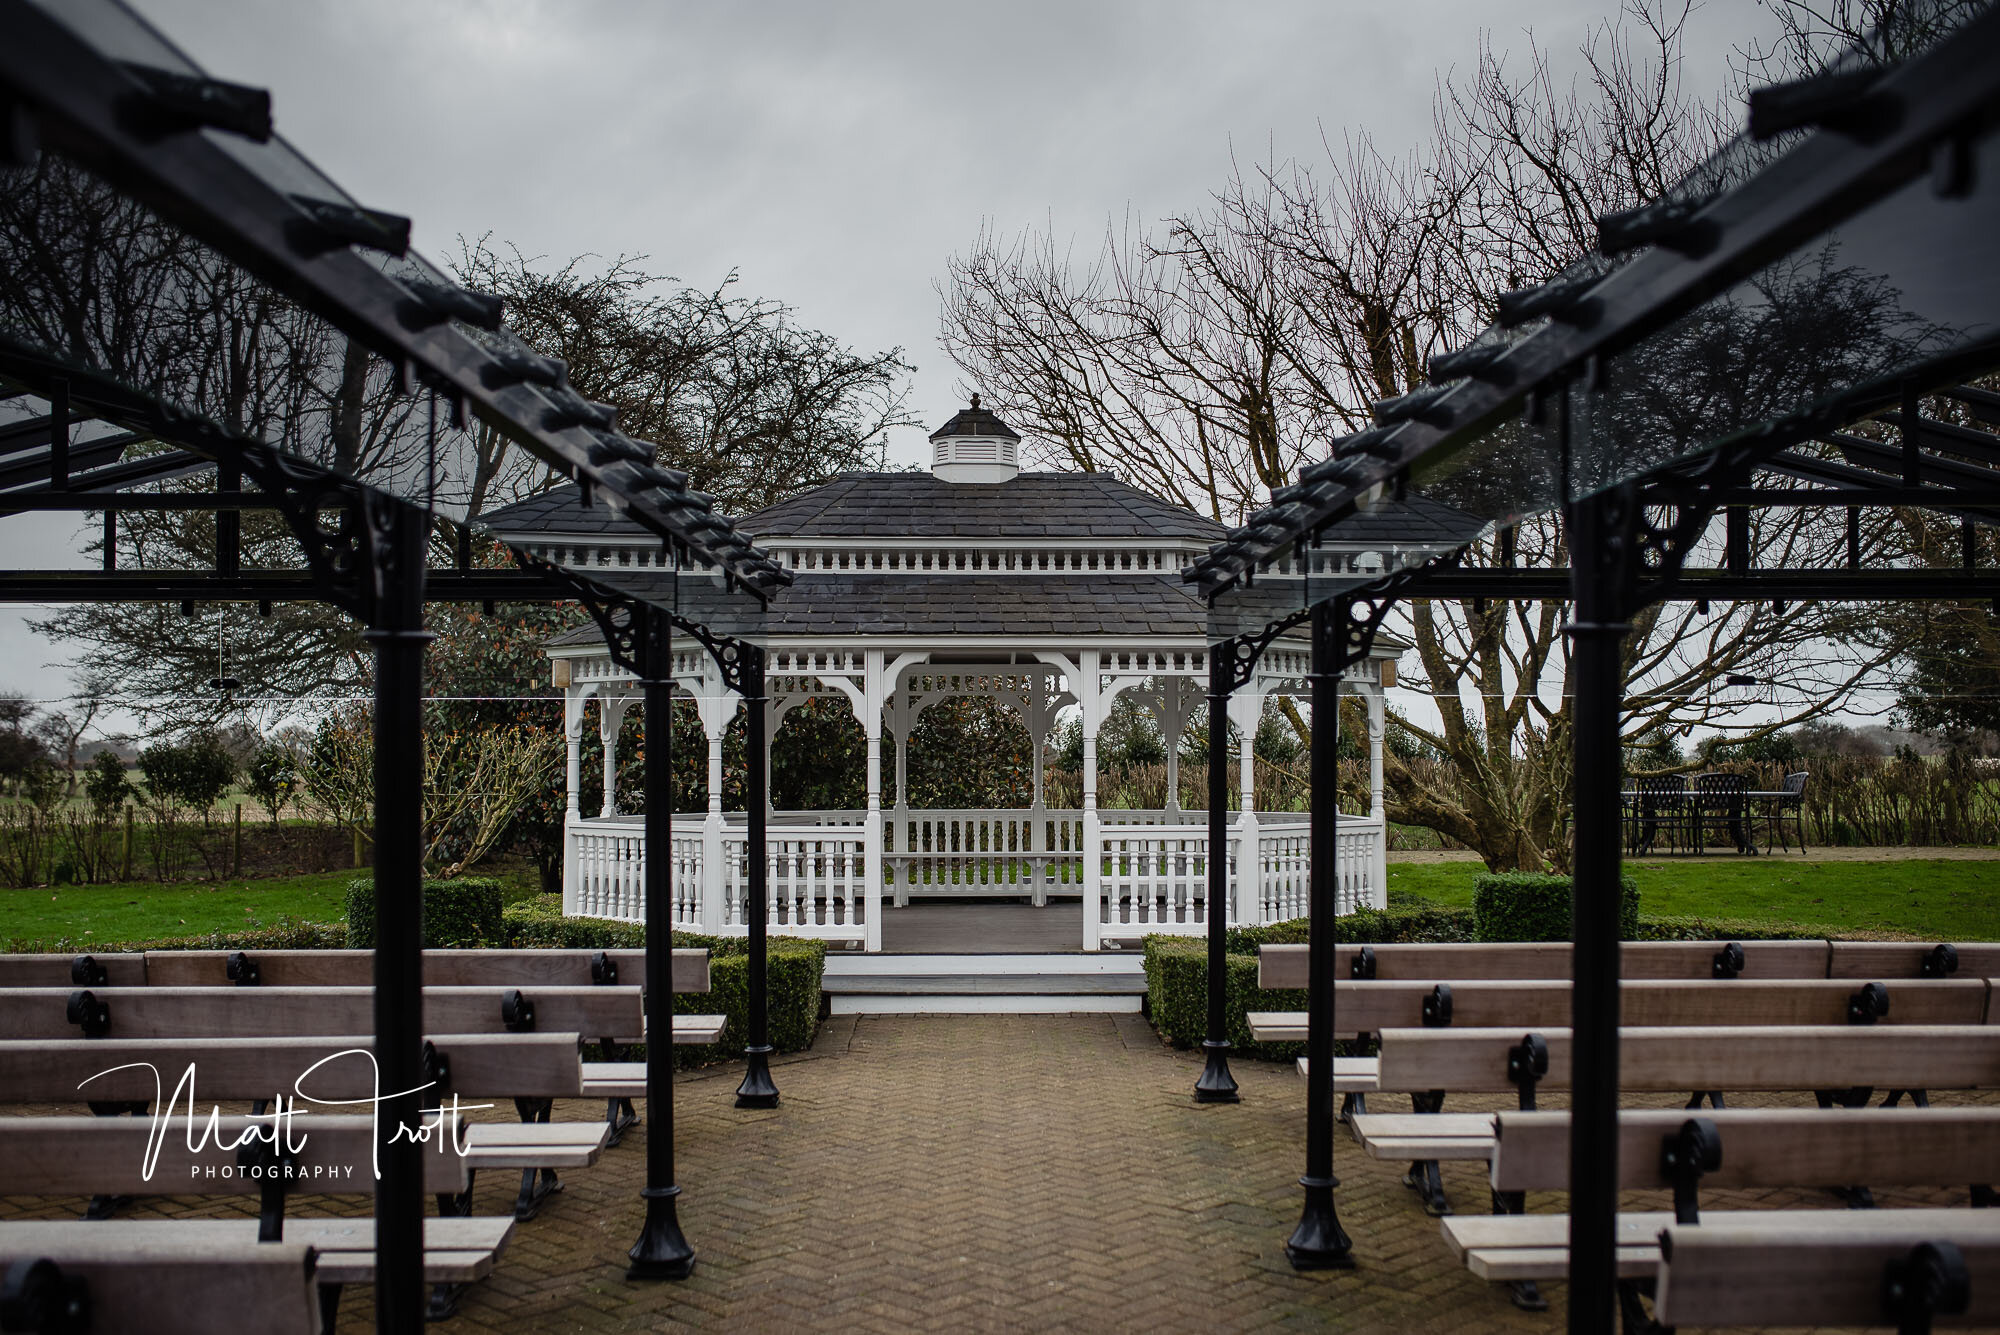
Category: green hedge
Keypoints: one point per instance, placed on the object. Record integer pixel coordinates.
(792, 973)
(1177, 971)
(460, 913)
(288, 934)
(1527, 906)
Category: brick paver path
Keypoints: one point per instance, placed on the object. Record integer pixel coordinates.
(990, 1173)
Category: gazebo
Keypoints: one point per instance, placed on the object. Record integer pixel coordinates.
(1045, 592)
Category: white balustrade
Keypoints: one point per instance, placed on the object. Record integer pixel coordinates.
(1154, 866)
(611, 868)
(1155, 876)
(815, 883)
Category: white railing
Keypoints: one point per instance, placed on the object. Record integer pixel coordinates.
(982, 852)
(815, 884)
(1152, 867)
(610, 869)
(1155, 877)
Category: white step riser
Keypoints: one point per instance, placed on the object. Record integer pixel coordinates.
(860, 966)
(980, 1005)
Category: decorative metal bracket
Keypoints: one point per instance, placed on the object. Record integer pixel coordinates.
(352, 560)
(621, 619)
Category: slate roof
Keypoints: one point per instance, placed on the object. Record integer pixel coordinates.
(976, 421)
(968, 605)
(914, 505)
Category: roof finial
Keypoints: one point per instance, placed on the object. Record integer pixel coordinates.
(975, 402)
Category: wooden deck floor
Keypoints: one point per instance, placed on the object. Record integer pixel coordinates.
(982, 928)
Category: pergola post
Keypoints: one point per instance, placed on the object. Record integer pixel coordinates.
(1216, 1084)
(1600, 567)
(1319, 1242)
(757, 1090)
(396, 630)
(872, 692)
(661, 1251)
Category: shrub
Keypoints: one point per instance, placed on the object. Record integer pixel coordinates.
(793, 970)
(1524, 906)
(464, 912)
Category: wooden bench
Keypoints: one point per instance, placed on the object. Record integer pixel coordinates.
(537, 1066)
(1434, 962)
(1367, 1008)
(325, 1155)
(159, 1279)
(613, 1080)
(1736, 1148)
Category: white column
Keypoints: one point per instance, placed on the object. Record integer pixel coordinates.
(610, 719)
(873, 691)
(716, 708)
(1086, 689)
(1246, 711)
(573, 707)
(1378, 728)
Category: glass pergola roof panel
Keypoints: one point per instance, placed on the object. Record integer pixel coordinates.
(97, 283)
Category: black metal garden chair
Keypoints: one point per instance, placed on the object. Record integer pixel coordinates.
(1720, 803)
(1789, 809)
(1658, 812)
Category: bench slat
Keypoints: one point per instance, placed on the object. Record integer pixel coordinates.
(1681, 1058)
(123, 970)
(1770, 1147)
(170, 1283)
(1369, 1007)
(1286, 965)
(1351, 1075)
(1905, 959)
(356, 968)
(89, 1156)
(1741, 1272)
(1502, 1264)
(505, 1065)
(276, 1012)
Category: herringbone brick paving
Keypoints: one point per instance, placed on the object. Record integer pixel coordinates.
(978, 1173)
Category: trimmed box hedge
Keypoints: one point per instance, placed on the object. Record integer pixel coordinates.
(793, 969)
(1528, 906)
(464, 913)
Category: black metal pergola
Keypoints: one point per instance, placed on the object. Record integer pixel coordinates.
(1831, 266)
(184, 297)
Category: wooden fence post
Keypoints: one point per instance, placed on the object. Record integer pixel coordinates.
(236, 844)
(125, 867)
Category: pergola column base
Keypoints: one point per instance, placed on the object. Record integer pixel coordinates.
(661, 1252)
(1216, 1085)
(757, 1089)
(1319, 1242)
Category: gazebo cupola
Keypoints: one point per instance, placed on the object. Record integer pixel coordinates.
(975, 446)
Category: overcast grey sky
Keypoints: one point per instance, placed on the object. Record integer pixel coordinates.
(834, 154)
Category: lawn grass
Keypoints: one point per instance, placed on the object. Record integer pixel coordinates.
(151, 911)
(1932, 899)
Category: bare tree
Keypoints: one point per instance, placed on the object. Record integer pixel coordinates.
(1206, 362)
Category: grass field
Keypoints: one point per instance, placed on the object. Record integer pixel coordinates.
(1936, 899)
(149, 911)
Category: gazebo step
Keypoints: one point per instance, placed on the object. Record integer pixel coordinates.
(987, 984)
(869, 1003)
